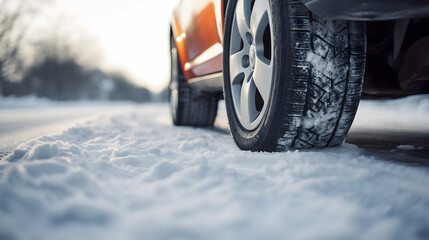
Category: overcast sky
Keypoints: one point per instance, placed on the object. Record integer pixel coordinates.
(131, 34)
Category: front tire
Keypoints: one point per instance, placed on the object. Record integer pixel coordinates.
(291, 79)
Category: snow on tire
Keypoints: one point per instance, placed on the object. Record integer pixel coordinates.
(316, 80)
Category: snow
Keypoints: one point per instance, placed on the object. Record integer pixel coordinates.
(406, 147)
(410, 114)
(31, 101)
(135, 176)
(24, 118)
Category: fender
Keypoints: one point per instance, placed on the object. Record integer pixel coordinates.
(198, 33)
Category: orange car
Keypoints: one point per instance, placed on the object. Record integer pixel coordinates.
(292, 71)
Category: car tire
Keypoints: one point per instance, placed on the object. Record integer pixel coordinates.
(291, 79)
(188, 106)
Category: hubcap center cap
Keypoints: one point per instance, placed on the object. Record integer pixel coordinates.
(252, 56)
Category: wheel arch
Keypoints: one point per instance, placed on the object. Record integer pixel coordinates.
(177, 35)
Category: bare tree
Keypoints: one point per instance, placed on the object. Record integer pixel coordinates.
(64, 54)
(12, 32)
(64, 41)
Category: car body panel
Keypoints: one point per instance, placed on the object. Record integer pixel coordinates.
(197, 28)
(368, 9)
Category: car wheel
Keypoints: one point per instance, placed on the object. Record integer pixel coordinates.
(291, 79)
(188, 106)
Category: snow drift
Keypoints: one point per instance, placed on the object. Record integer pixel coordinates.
(134, 176)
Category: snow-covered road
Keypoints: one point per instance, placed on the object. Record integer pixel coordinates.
(27, 118)
(131, 175)
(17, 125)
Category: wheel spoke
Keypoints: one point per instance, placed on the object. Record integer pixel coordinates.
(262, 77)
(173, 85)
(259, 17)
(248, 110)
(235, 66)
(250, 72)
(243, 18)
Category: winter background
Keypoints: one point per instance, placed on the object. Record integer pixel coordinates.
(103, 161)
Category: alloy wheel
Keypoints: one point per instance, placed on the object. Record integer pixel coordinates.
(250, 61)
(174, 82)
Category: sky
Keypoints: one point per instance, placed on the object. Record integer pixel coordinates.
(131, 35)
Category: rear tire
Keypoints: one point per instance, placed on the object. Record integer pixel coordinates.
(317, 70)
(188, 106)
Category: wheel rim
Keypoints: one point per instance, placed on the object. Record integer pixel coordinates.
(250, 61)
(174, 83)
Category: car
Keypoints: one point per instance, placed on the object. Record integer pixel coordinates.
(292, 72)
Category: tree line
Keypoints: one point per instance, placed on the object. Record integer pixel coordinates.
(59, 68)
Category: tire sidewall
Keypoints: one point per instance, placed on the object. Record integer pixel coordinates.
(263, 137)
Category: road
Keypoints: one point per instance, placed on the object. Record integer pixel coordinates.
(381, 135)
(394, 130)
(390, 139)
(18, 125)
(124, 172)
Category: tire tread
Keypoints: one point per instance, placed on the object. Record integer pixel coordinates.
(330, 98)
(195, 108)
